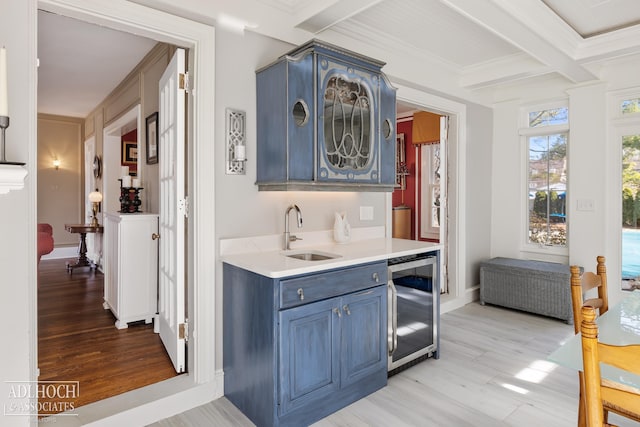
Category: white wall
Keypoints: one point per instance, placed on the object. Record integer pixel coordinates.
(587, 175)
(478, 191)
(506, 208)
(18, 214)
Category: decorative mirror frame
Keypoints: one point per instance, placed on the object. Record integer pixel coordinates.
(97, 167)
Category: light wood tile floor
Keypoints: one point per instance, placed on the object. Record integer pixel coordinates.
(492, 372)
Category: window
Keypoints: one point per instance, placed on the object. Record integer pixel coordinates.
(431, 200)
(630, 106)
(546, 137)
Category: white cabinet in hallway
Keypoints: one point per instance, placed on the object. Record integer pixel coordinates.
(131, 267)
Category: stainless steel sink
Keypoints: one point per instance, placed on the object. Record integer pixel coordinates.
(311, 255)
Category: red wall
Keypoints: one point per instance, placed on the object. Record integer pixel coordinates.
(410, 191)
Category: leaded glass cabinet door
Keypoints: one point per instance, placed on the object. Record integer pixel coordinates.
(347, 132)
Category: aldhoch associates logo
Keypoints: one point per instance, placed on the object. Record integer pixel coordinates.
(41, 398)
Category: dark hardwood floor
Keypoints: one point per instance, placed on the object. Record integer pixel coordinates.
(77, 339)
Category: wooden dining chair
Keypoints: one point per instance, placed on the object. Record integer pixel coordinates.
(600, 392)
(581, 284)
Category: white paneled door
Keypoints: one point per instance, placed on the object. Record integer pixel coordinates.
(171, 143)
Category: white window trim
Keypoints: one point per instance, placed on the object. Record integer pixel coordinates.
(525, 132)
(616, 99)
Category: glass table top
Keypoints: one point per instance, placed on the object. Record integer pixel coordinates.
(620, 325)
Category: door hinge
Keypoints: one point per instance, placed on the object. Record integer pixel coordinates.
(183, 206)
(184, 81)
(183, 330)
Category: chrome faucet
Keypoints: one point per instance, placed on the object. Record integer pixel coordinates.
(288, 238)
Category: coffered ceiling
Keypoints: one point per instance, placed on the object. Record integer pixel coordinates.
(456, 46)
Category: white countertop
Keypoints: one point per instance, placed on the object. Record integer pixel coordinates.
(275, 264)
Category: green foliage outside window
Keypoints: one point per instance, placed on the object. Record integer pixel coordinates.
(630, 106)
(548, 177)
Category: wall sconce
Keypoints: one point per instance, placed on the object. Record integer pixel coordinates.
(236, 156)
(95, 198)
(56, 163)
(402, 173)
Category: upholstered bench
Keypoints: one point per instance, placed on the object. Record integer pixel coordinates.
(535, 286)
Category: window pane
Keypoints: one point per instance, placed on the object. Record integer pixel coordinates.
(547, 189)
(630, 106)
(555, 116)
(630, 208)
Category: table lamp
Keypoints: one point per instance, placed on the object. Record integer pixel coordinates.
(95, 198)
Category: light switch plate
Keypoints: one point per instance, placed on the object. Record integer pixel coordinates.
(366, 213)
(585, 205)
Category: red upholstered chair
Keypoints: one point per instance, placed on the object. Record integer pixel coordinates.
(45, 239)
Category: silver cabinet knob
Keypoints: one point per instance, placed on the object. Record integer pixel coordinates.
(376, 277)
(346, 309)
(337, 311)
(301, 294)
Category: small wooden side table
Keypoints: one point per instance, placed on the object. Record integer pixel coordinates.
(82, 229)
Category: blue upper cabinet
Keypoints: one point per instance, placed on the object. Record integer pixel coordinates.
(326, 121)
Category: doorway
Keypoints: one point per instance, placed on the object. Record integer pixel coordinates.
(112, 156)
(202, 383)
(452, 205)
(420, 211)
(110, 342)
(72, 307)
(629, 140)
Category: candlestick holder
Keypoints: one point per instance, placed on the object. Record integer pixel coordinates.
(4, 124)
(130, 199)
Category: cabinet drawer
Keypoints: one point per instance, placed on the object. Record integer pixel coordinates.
(315, 287)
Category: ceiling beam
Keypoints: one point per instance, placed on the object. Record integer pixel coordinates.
(513, 26)
(327, 16)
(502, 70)
(611, 45)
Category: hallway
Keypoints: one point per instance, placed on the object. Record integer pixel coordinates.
(77, 339)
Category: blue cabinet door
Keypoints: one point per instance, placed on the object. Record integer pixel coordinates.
(364, 334)
(346, 109)
(309, 353)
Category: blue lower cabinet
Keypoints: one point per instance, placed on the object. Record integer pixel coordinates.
(364, 333)
(291, 365)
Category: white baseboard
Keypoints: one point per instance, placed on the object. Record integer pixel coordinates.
(450, 304)
(62, 252)
(71, 253)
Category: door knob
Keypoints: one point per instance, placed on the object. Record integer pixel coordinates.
(155, 236)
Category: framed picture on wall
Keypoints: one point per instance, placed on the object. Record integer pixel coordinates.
(129, 153)
(152, 139)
